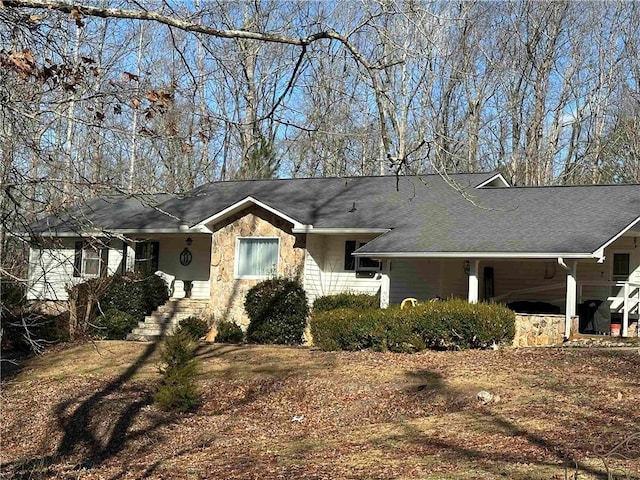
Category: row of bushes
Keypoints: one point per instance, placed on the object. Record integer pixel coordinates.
(346, 300)
(452, 324)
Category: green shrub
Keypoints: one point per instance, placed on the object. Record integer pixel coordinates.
(277, 311)
(345, 300)
(114, 325)
(459, 324)
(453, 324)
(134, 294)
(229, 332)
(195, 327)
(177, 391)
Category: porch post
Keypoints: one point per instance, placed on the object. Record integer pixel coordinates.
(385, 285)
(571, 297)
(473, 281)
(625, 312)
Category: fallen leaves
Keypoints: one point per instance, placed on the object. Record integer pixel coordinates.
(273, 412)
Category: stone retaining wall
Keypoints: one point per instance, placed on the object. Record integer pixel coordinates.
(537, 330)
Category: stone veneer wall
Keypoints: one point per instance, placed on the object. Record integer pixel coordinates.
(227, 292)
(535, 330)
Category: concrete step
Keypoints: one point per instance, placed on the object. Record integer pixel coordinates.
(168, 315)
(162, 318)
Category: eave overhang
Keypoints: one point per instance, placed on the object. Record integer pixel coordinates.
(184, 229)
(310, 229)
(243, 204)
(467, 255)
(599, 253)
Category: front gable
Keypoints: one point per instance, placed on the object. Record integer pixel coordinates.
(229, 285)
(234, 209)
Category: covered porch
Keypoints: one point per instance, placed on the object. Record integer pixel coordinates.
(182, 260)
(554, 286)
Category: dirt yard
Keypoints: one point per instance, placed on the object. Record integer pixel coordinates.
(85, 412)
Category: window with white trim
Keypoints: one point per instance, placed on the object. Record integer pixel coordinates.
(91, 259)
(257, 257)
(359, 264)
(621, 267)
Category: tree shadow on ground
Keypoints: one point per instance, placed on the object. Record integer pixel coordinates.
(558, 454)
(96, 428)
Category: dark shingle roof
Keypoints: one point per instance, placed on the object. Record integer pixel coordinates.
(576, 219)
(114, 212)
(424, 213)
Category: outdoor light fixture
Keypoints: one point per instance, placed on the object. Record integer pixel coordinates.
(189, 241)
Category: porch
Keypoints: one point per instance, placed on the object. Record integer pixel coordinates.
(550, 286)
(183, 261)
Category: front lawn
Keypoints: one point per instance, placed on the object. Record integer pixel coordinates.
(273, 412)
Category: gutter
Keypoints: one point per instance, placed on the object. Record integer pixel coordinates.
(467, 255)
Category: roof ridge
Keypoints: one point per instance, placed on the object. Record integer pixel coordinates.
(533, 187)
(350, 177)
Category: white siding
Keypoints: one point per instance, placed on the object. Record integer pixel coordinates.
(511, 276)
(197, 271)
(593, 271)
(51, 268)
(324, 268)
(418, 278)
(425, 279)
(313, 266)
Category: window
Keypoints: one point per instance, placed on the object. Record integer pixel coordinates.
(359, 264)
(90, 262)
(91, 259)
(349, 259)
(256, 257)
(621, 268)
(146, 260)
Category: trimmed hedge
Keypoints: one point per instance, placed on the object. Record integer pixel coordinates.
(134, 294)
(115, 325)
(345, 300)
(277, 311)
(452, 324)
(195, 327)
(229, 332)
